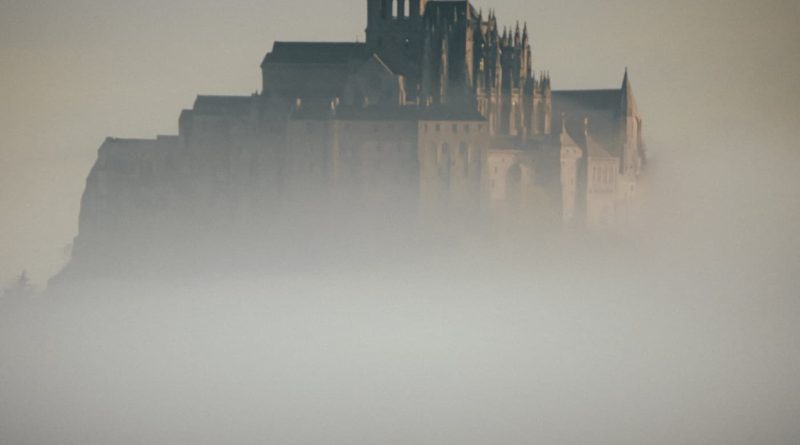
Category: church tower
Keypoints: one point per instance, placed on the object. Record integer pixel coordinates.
(393, 21)
(395, 32)
(630, 134)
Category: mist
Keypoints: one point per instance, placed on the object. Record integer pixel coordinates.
(678, 326)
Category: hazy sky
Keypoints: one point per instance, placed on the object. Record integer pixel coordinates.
(709, 75)
(686, 331)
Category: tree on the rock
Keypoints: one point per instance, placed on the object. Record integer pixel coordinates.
(20, 288)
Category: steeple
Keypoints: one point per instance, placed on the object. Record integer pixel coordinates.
(631, 162)
(628, 107)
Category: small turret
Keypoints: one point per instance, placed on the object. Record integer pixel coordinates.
(628, 107)
(547, 103)
(630, 130)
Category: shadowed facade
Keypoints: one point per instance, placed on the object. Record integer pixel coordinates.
(438, 113)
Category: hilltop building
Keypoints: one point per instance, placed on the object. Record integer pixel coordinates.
(439, 109)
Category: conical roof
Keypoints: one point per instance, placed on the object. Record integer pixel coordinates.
(628, 106)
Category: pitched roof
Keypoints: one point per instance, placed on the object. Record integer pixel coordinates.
(333, 53)
(565, 139)
(605, 100)
(223, 104)
(601, 107)
(594, 149)
(384, 113)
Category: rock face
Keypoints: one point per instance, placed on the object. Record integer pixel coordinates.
(436, 122)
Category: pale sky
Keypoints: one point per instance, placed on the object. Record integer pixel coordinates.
(709, 75)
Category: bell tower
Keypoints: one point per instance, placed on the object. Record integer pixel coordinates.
(392, 20)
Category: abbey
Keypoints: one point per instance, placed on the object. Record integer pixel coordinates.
(439, 110)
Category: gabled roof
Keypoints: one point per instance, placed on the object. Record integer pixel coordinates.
(599, 100)
(565, 139)
(601, 107)
(333, 53)
(223, 104)
(594, 149)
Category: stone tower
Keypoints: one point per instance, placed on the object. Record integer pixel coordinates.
(395, 31)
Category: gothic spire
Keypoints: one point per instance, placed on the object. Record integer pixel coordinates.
(525, 34)
(628, 106)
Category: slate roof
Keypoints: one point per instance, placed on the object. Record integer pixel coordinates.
(236, 105)
(565, 139)
(607, 100)
(595, 149)
(381, 113)
(333, 53)
(601, 107)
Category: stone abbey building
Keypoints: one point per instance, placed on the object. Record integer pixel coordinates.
(439, 111)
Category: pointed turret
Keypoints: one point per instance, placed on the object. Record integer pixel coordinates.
(630, 130)
(628, 107)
